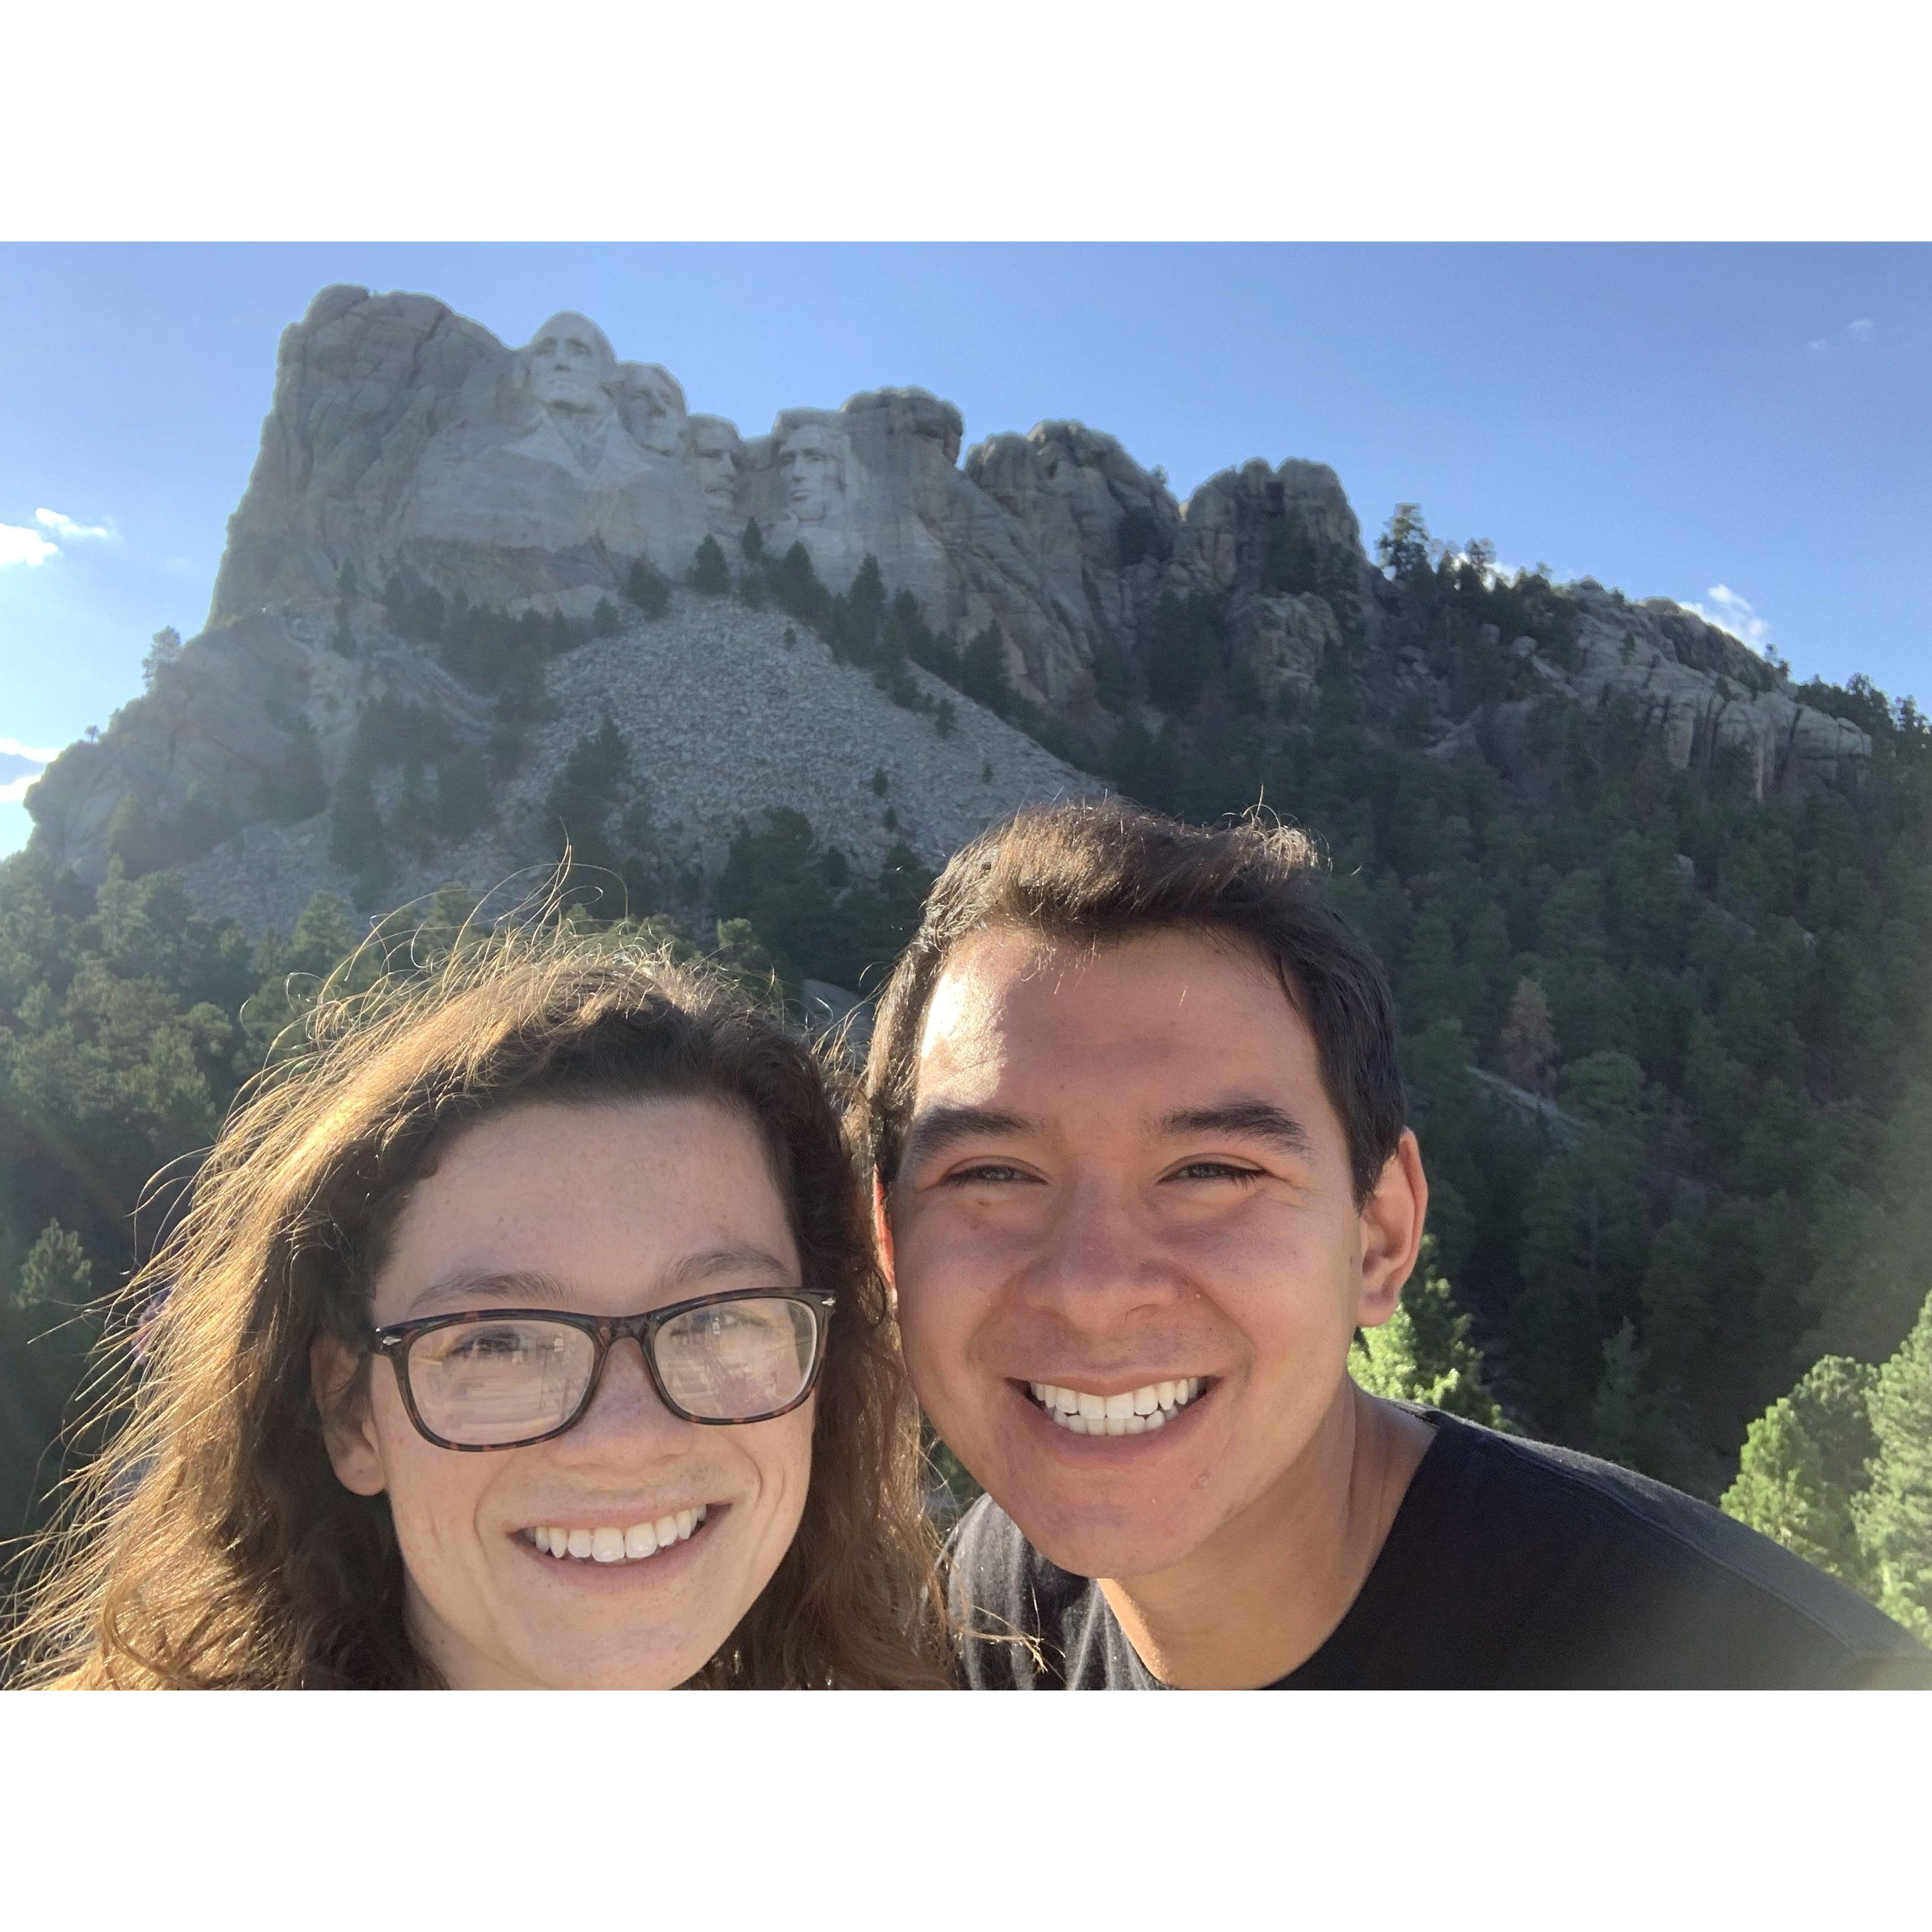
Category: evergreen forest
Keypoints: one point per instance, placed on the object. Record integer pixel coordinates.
(1663, 1040)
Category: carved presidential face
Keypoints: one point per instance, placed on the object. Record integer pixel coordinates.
(569, 364)
(813, 475)
(714, 454)
(656, 418)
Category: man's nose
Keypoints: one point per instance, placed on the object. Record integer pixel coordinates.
(1098, 1261)
(626, 1418)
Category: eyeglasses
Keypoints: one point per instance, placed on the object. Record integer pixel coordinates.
(503, 1378)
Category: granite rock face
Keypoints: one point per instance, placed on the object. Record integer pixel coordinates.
(405, 438)
(1702, 690)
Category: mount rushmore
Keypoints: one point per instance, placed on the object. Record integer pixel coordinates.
(406, 443)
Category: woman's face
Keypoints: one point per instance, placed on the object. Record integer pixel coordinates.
(623, 1207)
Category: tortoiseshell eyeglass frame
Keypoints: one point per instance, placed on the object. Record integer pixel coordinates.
(395, 1339)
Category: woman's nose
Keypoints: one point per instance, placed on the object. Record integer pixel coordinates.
(626, 1414)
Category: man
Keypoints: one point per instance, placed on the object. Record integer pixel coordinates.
(1142, 1172)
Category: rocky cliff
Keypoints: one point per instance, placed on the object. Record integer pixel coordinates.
(406, 446)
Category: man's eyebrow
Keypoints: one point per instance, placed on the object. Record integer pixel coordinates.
(948, 1123)
(1251, 1119)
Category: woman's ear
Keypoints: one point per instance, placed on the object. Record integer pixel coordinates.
(347, 1427)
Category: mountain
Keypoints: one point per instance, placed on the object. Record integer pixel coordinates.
(422, 491)
(1654, 915)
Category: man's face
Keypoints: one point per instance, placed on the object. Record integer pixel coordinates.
(565, 370)
(1122, 1175)
(718, 472)
(811, 474)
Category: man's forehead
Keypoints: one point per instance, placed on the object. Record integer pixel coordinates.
(1005, 999)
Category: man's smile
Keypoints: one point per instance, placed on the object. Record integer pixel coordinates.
(1124, 1412)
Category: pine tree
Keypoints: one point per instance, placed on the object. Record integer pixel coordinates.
(356, 842)
(1894, 1513)
(1804, 1462)
(1528, 1047)
(648, 588)
(709, 571)
(57, 1272)
(1625, 1425)
(1422, 1352)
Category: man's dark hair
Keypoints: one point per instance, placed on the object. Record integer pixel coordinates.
(1106, 871)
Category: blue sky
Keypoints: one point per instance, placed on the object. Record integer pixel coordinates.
(1748, 428)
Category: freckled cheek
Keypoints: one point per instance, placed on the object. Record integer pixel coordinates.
(435, 1495)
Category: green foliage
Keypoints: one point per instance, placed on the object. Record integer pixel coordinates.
(292, 787)
(163, 654)
(1803, 1462)
(709, 574)
(463, 799)
(604, 620)
(1424, 1353)
(648, 588)
(1403, 548)
(1893, 1512)
(57, 1272)
(800, 895)
(356, 840)
(1840, 1470)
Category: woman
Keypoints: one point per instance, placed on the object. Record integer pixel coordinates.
(525, 1332)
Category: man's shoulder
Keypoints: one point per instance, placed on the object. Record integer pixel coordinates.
(1016, 1614)
(1665, 1582)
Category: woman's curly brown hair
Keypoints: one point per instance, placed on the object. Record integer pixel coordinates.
(211, 1546)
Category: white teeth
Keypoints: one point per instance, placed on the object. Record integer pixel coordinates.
(1132, 1412)
(619, 1546)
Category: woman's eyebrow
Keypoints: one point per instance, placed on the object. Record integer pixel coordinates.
(1251, 1119)
(947, 1123)
(711, 1262)
(513, 1287)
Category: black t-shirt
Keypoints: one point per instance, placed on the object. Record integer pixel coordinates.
(1510, 1565)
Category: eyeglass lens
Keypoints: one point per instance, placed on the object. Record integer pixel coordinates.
(485, 1384)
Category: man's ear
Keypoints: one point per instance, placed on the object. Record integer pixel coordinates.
(347, 1427)
(1391, 1232)
(882, 1236)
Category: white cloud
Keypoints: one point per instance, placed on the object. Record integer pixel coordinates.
(14, 784)
(1862, 330)
(19, 545)
(1730, 612)
(1819, 347)
(70, 531)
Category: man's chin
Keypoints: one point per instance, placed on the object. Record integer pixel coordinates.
(1089, 1536)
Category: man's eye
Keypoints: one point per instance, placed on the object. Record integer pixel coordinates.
(1215, 1170)
(992, 1171)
